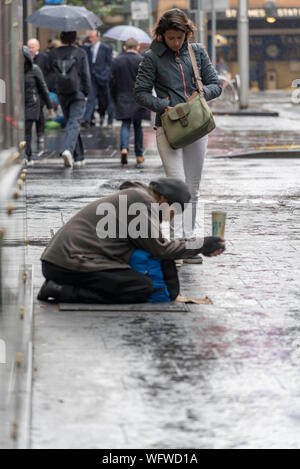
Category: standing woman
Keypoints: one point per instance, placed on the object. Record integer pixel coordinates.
(167, 68)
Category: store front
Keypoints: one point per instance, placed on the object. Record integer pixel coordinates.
(274, 44)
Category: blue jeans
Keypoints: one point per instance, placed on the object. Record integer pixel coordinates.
(138, 135)
(73, 112)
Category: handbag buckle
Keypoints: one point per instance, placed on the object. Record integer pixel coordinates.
(182, 117)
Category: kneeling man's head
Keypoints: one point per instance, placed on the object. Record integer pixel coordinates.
(170, 190)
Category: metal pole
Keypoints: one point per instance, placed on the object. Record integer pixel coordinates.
(25, 24)
(243, 52)
(150, 15)
(200, 23)
(213, 33)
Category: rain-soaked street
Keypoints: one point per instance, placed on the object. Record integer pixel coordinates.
(211, 376)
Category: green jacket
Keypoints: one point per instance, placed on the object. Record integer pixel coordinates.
(171, 75)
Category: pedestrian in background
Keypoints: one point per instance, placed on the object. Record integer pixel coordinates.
(222, 68)
(51, 81)
(100, 59)
(168, 68)
(42, 60)
(35, 91)
(73, 85)
(123, 76)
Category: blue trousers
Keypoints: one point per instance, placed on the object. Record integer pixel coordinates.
(138, 135)
(73, 112)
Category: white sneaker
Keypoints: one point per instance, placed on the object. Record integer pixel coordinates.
(29, 163)
(68, 158)
(179, 261)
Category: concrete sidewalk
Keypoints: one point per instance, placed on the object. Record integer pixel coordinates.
(220, 376)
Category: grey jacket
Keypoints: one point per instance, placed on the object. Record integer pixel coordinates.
(171, 75)
(77, 247)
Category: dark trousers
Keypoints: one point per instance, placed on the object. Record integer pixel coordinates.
(99, 92)
(120, 286)
(73, 113)
(40, 123)
(110, 108)
(138, 135)
(28, 137)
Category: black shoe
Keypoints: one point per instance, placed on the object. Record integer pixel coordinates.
(85, 124)
(124, 157)
(49, 289)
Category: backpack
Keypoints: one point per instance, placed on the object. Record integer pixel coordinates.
(67, 76)
(163, 274)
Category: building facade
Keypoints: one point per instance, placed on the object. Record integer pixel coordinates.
(274, 46)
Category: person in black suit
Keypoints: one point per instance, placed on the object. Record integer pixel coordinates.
(42, 60)
(123, 75)
(100, 60)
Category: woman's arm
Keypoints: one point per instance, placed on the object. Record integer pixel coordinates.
(144, 84)
(211, 83)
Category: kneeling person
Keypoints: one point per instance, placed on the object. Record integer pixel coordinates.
(83, 263)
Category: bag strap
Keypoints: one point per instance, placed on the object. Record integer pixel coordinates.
(195, 68)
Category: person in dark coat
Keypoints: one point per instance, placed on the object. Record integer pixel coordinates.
(100, 59)
(42, 60)
(72, 101)
(123, 75)
(35, 91)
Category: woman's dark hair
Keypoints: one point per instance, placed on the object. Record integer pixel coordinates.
(68, 37)
(174, 19)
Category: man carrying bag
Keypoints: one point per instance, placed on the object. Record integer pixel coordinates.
(72, 75)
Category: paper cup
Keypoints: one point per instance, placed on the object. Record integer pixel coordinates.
(218, 223)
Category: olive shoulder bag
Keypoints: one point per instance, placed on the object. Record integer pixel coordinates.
(187, 122)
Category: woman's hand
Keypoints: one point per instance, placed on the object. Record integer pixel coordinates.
(213, 246)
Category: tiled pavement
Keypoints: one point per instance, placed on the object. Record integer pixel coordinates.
(220, 376)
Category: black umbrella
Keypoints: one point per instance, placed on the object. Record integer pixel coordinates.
(64, 18)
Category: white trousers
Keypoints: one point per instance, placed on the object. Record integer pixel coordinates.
(185, 164)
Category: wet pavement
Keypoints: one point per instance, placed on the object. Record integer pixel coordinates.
(219, 376)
